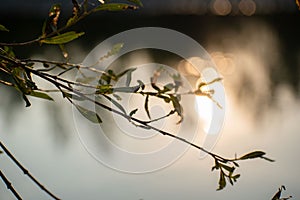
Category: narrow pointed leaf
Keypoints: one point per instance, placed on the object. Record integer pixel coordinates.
(252, 155)
(147, 106)
(115, 7)
(88, 114)
(133, 112)
(119, 106)
(3, 28)
(41, 95)
(63, 38)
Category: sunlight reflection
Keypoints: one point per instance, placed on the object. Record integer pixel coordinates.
(224, 62)
(221, 7)
(247, 7)
(204, 108)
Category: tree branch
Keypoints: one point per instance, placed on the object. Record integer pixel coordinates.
(26, 172)
(10, 186)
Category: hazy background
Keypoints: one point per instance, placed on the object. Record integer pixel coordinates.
(256, 48)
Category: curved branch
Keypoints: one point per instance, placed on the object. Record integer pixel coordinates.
(10, 186)
(26, 172)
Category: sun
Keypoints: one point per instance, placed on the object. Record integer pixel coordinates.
(204, 107)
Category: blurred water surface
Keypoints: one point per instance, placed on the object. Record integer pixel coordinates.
(259, 58)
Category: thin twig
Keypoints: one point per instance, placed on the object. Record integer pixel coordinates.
(26, 172)
(10, 186)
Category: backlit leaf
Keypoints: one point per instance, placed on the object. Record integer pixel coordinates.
(88, 114)
(63, 38)
(41, 95)
(252, 155)
(115, 7)
(87, 79)
(3, 28)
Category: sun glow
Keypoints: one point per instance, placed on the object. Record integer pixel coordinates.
(204, 107)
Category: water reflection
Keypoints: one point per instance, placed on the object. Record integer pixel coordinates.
(260, 82)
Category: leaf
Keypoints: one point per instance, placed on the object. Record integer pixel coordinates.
(72, 20)
(141, 84)
(104, 89)
(236, 177)
(222, 181)
(72, 96)
(252, 155)
(87, 79)
(127, 89)
(133, 112)
(119, 106)
(176, 105)
(88, 114)
(3, 28)
(136, 2)
(146, 106)
(115, 7)
(41, 95)
(168, 87)
(228, 168)
(128, 72)
(116, 48)
(117, 97)
(63, 38)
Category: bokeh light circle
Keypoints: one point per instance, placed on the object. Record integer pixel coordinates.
(120, 145)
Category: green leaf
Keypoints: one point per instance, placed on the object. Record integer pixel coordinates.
(252, 155)
(72, 20)
(88, 114)
(3, 28)
(115, 7)
(41, 95)
(133, 112)
(116, 48)
(63, 38)
(137, 2)
(87, 79)
(104, 89)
